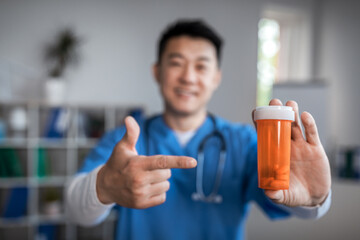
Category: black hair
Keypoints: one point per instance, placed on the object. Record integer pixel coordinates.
(193, 28)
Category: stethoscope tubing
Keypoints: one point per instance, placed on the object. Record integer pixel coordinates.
(199, 195)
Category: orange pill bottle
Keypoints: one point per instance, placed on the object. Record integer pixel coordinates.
(274, 141)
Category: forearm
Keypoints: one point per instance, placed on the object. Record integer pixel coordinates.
(82, 200)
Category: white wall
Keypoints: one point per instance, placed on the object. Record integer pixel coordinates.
(338, 62)
(119, 47)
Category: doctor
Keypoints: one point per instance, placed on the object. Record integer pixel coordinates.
(148, 169)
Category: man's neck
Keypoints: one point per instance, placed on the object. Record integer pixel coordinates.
(184, 123)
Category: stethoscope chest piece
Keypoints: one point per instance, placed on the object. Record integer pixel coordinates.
(209, 199)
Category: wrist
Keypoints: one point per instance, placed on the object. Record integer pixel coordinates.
(101, 191)
(317, 202)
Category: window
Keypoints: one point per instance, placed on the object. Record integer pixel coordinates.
(268, 58)
(284, 50)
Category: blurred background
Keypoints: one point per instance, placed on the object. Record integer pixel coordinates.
(71, 70)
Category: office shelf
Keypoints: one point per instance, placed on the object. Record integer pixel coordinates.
(47, 151)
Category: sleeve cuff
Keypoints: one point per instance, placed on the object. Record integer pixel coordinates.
(94, 201)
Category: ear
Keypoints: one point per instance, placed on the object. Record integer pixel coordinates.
(156, 72)
(218, 78)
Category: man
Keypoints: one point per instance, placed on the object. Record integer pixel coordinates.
(148, 168)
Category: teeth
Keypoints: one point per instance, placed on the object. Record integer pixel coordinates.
(183, 92)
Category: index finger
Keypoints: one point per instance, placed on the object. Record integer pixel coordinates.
(166, 162)
(296, 132)
(274, 101)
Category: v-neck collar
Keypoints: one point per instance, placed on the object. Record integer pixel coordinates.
(162, 133)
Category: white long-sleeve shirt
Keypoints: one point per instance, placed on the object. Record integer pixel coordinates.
(82, 201)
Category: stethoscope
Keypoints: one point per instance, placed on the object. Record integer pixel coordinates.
(199, 195)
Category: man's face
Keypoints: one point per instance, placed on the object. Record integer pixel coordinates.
(187, 74)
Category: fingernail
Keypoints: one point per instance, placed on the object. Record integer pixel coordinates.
(191, 163)
(130, 119)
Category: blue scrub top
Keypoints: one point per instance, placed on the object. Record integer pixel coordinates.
(180, 217)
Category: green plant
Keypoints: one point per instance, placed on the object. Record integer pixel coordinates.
(62, 52)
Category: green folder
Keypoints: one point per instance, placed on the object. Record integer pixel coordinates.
(10, 163)
(43, 163)
(16, 201)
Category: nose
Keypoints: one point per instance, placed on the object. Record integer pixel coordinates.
(189, 75)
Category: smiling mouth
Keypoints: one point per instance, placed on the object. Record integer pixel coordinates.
(185, 93)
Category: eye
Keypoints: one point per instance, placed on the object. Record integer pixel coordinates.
(175, 64)
(201, 67)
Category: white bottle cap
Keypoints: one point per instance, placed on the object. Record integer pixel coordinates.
(274, 112)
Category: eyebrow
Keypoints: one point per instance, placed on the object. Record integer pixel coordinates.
(179, 55)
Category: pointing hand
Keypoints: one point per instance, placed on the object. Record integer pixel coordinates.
(136, 181)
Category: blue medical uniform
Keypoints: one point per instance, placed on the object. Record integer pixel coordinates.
(180, 217)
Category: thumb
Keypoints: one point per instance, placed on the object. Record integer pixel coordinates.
(276, 196)
(253, 117)
(132, 133)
